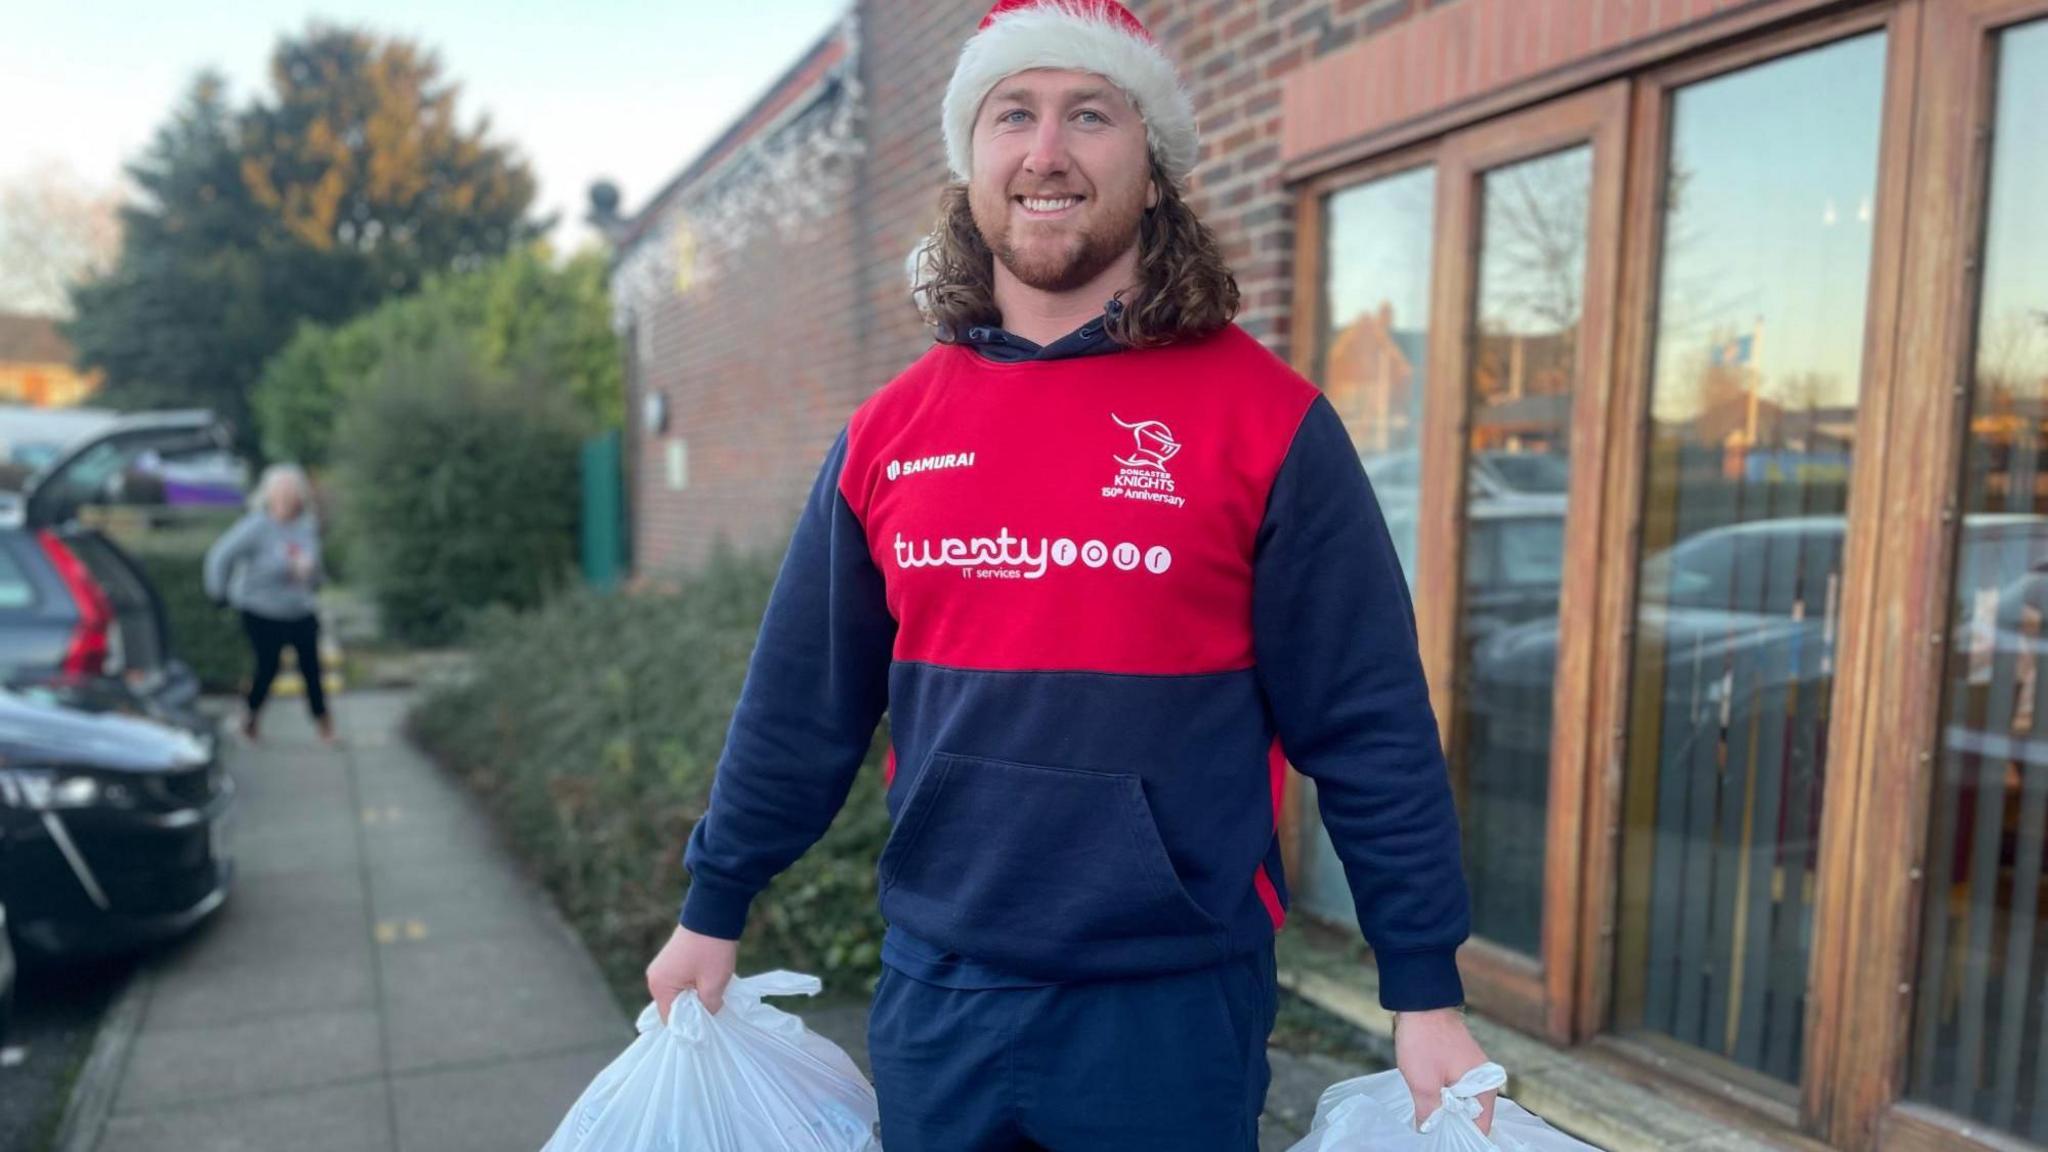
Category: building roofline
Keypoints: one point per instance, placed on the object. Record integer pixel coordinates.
(811, 72)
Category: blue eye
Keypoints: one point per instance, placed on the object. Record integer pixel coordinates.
(1007, 117)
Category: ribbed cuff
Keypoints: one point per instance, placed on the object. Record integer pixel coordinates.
(711, 909)
(1420, 981)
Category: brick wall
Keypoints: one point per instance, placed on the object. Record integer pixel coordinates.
(763, 366)
(753, 362)
(909, 47)
(1234, 56)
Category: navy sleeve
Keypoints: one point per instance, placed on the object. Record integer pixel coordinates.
(816, 687)
(1334, 638)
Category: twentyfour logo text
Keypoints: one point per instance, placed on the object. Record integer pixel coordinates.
(1004, 556)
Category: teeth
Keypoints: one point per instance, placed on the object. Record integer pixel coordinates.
(1050, 205)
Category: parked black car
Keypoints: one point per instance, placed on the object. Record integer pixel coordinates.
(112, 821)
(7, 970)
(1734, 631)
(73, 605)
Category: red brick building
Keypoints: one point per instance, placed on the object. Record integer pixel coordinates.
(1741, 715)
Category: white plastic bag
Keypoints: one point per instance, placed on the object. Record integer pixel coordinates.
(1377, 1114)
(749, 1079)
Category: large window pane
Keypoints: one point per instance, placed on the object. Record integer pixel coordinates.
(1370, 364)
(1766, 241)
(1982, 1002)
(1525, 364)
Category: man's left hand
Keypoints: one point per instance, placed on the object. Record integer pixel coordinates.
(1433, 1049)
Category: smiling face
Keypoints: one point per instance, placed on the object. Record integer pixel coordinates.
(1062, 177)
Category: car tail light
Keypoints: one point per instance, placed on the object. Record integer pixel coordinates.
(87, 653)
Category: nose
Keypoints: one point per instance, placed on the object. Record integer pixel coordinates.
(1048, 155)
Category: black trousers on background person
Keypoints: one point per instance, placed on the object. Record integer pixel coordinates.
(268, 637)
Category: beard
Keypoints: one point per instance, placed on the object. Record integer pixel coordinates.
(1057, 257)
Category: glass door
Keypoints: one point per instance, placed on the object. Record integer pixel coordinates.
(1982, 1006)
(1765, 216)
(1522, 371)
(1528, 264)
(1462, 301)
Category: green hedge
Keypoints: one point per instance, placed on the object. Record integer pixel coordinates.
(592, 728)
(521, 313)
(206, 637)
(459, 489)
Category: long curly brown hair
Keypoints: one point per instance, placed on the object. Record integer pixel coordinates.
(1184, 289)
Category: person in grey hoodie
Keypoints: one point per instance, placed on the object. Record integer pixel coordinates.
(267, 567)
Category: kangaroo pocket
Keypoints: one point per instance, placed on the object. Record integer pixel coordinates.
(1049, 872)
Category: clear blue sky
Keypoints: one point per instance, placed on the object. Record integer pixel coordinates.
(629, 89)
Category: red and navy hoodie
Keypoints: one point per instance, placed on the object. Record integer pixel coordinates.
(1105, 599)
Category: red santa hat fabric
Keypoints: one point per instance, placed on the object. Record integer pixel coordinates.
(1099, 36)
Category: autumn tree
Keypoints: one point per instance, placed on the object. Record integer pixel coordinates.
(361, 154)
(354, 177)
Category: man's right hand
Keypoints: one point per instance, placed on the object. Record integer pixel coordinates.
(689, 960)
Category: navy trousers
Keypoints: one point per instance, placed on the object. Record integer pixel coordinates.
(1168, 1062)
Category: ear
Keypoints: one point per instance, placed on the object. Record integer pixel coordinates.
(1151, 194)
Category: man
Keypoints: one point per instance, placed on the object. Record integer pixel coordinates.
(1109, 567)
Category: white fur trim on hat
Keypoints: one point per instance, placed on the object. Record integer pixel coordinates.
(1072, 35)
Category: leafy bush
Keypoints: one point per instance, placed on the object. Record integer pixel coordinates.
(458, 490)
(301, 392)
(206, 637)
(521, 314)
(337, 560)
(601, 785)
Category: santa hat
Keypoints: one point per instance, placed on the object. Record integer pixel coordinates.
(1099, 36)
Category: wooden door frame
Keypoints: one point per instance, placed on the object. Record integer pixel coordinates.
(1535, 993)
(1635, 351)
(1866, 1008)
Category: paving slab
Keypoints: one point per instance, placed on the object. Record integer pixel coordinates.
(442, 914)
(493, 1107)
(174, 1067)
(257, 935)
(299, 980)
(346, 1118)
(471, 998)
(306, 890)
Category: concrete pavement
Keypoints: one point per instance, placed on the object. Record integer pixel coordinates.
(383, 979)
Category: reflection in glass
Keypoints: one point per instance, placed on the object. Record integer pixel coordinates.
(1524, 357)
(1369, 358)
(1982, 1003)
(1768, 201)
(1370, 361)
